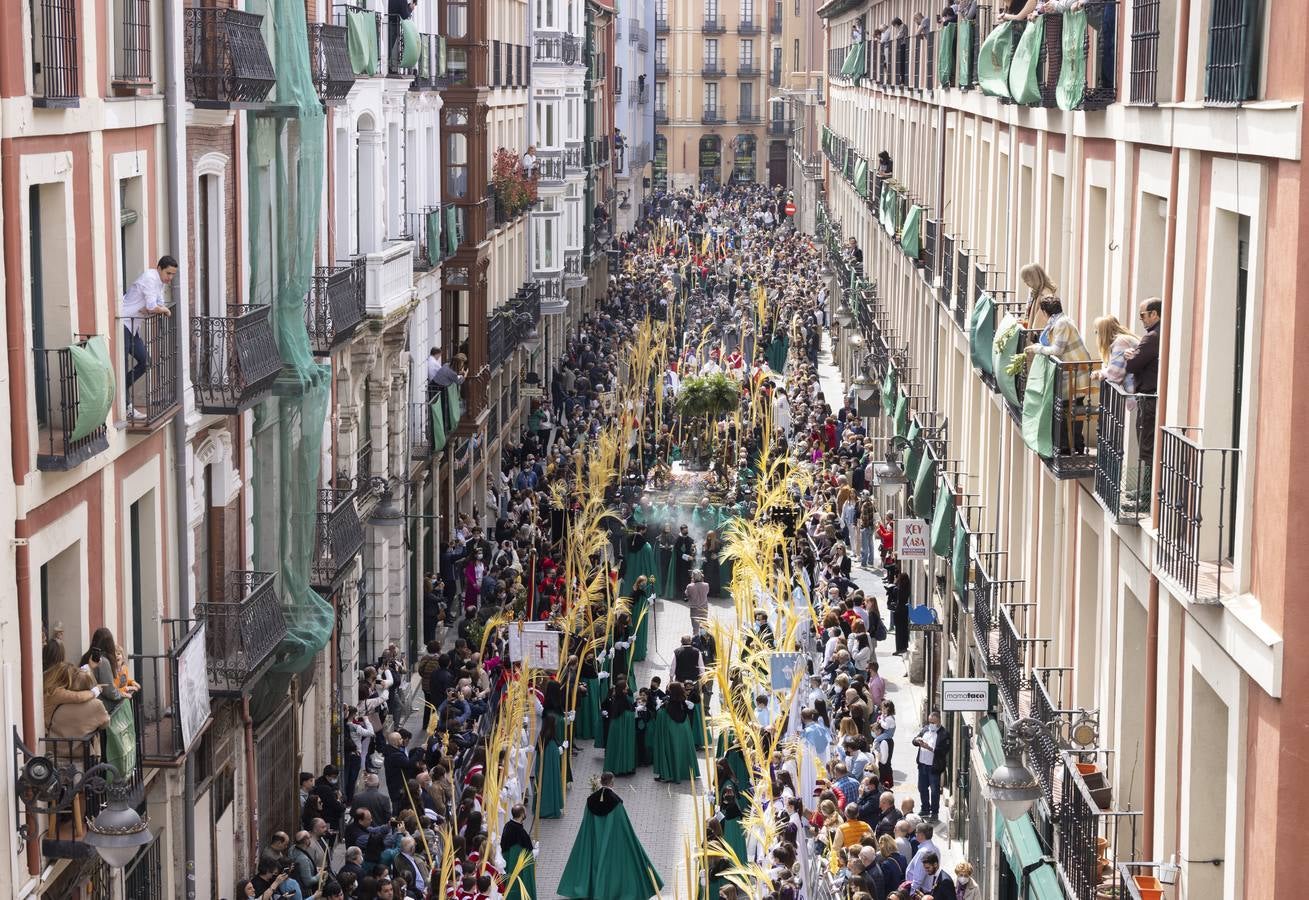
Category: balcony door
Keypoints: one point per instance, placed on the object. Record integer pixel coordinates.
(711, 157)
(747, 98)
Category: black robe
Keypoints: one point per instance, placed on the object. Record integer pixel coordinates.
(682, 547)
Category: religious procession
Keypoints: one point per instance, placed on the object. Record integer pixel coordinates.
(686, 475)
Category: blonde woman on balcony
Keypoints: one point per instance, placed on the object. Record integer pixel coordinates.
(1115, 343)
(72, 702)
(1039, 286)
(1062, 341)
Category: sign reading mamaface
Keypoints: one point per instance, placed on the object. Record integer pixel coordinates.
(965, 694)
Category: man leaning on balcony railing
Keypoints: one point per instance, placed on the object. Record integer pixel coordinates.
(144, 298)
(1142, 363)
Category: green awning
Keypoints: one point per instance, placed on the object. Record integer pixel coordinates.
(853, 67)
(910, 236)
(1018, 840)
(959, 559)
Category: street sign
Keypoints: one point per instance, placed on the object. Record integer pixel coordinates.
(790, 208)
(534, 645)
(965, 694)
(911, 539)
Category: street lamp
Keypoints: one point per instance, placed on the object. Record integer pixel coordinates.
(116, 833)
(1012, 785)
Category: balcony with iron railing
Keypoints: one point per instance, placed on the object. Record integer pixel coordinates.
(712, 68)
(661, 116)
(748, 26)
(561, 49)
(713, 25)
(424, 229)
(1198, 515)
(748, 115)
(242, 631)
(1143, 68)
(661, 67)
(711, 117)
(162, 725)
(780, 127)
(661, 24)
(334, 306)
(1092, 834)
(431, 72)
(1072, 429)
(227, 65)
(329, 62)
(70, 409)
(133, 69)
(234, 359)
(1124, 452)
(747, 69)
(337, 539)
(574, 158)
(152, 383)
(775, 22)
(432, 422)
(56, 54)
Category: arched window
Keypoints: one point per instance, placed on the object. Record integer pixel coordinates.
(711, 159)
(743, 158)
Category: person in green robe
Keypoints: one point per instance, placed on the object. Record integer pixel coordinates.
(520, 856)
(607, 861)
(549, 771)
(642, 598)
(587, 705)
(620, 647)
(665, 582)
(639, 562)
(729, 815)
(696, 697)
(619, 714)
(674, 741)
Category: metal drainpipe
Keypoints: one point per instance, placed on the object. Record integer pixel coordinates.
(174, 101)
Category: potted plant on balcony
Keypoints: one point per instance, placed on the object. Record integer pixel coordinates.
(515, 189)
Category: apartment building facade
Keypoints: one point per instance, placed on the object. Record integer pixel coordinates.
(633, 154)
(1121, 571)
(711, 92)
(796, 115)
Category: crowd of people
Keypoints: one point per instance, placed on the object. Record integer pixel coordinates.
(458, 801)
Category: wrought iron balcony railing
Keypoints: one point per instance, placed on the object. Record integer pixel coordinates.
(334, 306)
(242, 631)
(1074, 422)
(711, 117)
(226, 59)
(747, 27)
(151, 384)
(779, 127)
(161, 737)
(1091, 833)
(56, 58)
(131, 25)
(1124, 452)
(661, 25)
(661, 67)
(560, 49)
(329, 62)
(234, 359)
(338, 538)
(661, 116)
(747, 70)
(1144, 68)
(747, 115)
(70, 427)
(1198, 491)
(712, 70)
(713, 25)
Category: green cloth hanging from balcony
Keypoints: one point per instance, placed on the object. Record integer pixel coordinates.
(1072, 73)
(361, 41)
(432, 223)
(1003, 349)
(911, 233)
(411, 41)
(848, 168)
(861, 176)
(981, 334)
(964, 52)
(450, 231)
(994, 57)
(943, 522)
(925, 487)
(945, 57)
(454, 406)
(1038, 405)
(95, 385)
(120, 738)
(887, 204)
(959, 560)
(438, 425)
(902, 416)
(913, 454)
(889, 385)
(1024, 69)
(853, 67)
(442, 68)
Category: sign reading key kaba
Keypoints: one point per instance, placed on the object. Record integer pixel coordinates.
(911, 539)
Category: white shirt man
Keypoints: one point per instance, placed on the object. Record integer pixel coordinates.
(145, 296)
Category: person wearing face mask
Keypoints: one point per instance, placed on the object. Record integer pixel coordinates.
(965, 888)
(328, 788)
(933, 743)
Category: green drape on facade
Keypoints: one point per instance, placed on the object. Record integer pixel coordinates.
(1072, 72)
(911, 233)
(994, 57)
(1038, 405)
(981, 334)
(1024, 68)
